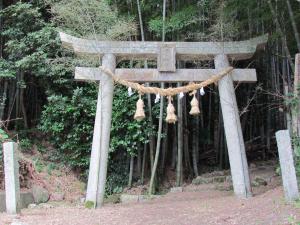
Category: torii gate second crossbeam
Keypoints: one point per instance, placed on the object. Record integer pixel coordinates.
(166, 54)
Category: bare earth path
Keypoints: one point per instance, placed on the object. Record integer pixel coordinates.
(187, 208)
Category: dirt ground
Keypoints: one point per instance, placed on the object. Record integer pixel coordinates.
(205, 206)
(205, 203)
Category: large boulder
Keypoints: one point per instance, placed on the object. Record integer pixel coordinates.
(40, 194)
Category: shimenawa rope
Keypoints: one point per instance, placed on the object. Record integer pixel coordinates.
(171, 117)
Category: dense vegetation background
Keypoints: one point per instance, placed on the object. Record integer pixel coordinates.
(40, 102)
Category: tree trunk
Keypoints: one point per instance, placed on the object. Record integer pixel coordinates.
(158, 141)
(151, 138)
(294, 25)
(186, 138)
(174, 148)
(164, 148)
(139, 165)
(179, 141)
(153, 171)
(282, 35)
(296, 110)
(3, 100)
(131, 171)
(143, 164)
(22, 103)
(195, 144)
(1, 26)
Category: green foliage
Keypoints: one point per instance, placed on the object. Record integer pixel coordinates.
(3, 138)
(25, 144)
(296, 145)
(118, 173)
(38, 165)
(34, 48)
(133, 133)
(27, 47)
(91, 18)
(6, 69)
(89, 204)
(69, 121)
(50, 168)
(178, 21)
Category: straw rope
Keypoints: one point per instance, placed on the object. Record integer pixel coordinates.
(167, 91)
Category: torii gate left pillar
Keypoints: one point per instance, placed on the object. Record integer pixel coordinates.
(101, 136)
(166, 72)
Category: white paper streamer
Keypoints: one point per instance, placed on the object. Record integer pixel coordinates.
(181, 95)
(130, 91)
(157, 98)
(202, 92)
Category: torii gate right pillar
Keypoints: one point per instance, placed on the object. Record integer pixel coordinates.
(233, 132)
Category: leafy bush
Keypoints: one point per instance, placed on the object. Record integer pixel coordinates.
(296, 145)
(3, 137)
(69, 123)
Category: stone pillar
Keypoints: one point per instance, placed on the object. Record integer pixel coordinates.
(288, 173)
(92, 187)
(233, 132)
(11, 171)
(107, 86)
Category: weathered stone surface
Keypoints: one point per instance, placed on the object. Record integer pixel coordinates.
(40, 206)
(166, 60)
(2, 202)
(11, 171)
(45, 206)
(237, 50)
(40, 194)
(233, 132)
(32, 206)
(176, 189)
(200, 180)
(107, 89)
(259, 181)
(153, 75)
(205, 179)
(26, 198)
(124, 198)
(288, 172)
(224, 187)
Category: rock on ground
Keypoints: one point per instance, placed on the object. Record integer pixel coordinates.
(40, 194)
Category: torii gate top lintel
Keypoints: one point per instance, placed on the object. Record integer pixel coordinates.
(235, 50)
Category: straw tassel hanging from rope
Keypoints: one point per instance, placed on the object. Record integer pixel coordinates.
(139, 113)
(171, 117)
(194, 105)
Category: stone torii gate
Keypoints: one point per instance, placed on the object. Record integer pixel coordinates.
(166, 54)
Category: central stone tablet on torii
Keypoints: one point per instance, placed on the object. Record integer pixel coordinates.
(166, 54)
